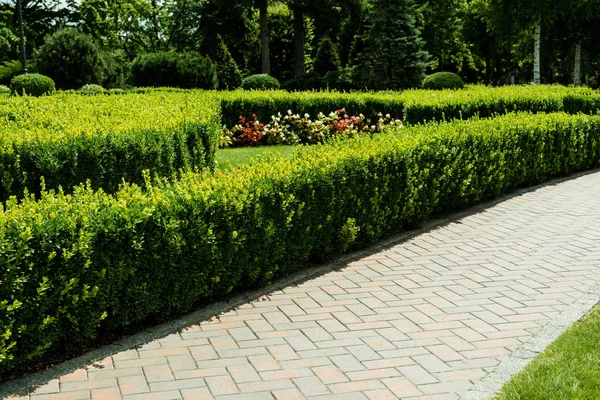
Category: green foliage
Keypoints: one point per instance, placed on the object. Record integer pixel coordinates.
(412, 106)
(327, 59)
(71, 58)
(32, 85)
(8, 70)
(567, 369)
(340, 80)
(392, 55)
(260, 82)
(180, 70)
(443, 80)
(306, 81)
(91, 89)
(69, 139)
(228, 73)
(4, 89)
(78, 265)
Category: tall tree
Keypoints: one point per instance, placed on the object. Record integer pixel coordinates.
(265, 55)
(393, 55)
(441, 23)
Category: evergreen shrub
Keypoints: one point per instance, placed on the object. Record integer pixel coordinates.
(260, 82)
(179, 70)
(32, 85)
(443, 80)
(92, 89)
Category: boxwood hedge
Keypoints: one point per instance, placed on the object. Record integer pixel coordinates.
(69, 139)
(75, 266)
(413, 106)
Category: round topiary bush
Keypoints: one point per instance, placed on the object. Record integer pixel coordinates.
(443, 80)
(92, 89)
(32, 85)
(4, 89)
(260, 82)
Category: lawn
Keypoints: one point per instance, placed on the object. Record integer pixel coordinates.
(568, 369)
(236, 157)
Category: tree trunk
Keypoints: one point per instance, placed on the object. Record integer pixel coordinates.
(577, 70)
(537, 53)
(298, 40)
(264, 37)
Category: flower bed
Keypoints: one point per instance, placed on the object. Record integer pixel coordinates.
(293, 129)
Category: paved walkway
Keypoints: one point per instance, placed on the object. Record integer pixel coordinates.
(426, 318)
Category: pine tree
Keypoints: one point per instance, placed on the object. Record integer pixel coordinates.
(327, 59)
(392, 56)
(228, 73)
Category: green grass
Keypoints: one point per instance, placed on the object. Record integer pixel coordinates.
(568, 369)
(237, 157)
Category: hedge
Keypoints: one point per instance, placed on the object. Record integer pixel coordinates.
(413, 106)
(76, 266)
(69, 139)
(267, 103)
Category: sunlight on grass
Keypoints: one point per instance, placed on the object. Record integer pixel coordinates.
(234, 158)
(568, 369)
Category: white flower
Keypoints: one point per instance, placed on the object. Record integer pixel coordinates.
(387, 116)
(289, 112)
(306, 116)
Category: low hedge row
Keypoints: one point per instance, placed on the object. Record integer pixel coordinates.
(70, 138)
(267, 103)
(414, 106)
(73, 266)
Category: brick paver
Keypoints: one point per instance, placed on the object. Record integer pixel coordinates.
(425, 318)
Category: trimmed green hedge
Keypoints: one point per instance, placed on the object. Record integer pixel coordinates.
(69, 139)
(75, 266)
(267, 103)
(413, 106)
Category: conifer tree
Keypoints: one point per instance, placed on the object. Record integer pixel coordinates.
(327, 59)
(228, 73)
(392, 56)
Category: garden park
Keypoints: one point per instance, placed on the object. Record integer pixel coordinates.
(144, 176)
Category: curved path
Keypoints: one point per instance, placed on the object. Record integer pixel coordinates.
(447, 312)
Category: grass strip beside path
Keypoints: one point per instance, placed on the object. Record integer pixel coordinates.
(568, 369)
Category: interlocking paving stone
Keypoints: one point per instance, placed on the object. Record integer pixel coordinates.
(431, 316)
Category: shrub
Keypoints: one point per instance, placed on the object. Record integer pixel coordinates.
(327, 59)
(88, 263)
(8, 70)
(181, 70)
(32, 85)
(305, 81)
(116, 91)
(71, 58)
(443, 80)
(340, 80)
(260, 82)
(91, 89)
(104, 139)
(4, 89)
(228, 73)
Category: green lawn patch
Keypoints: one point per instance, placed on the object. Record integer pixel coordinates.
(568, 369)
(234, 158)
